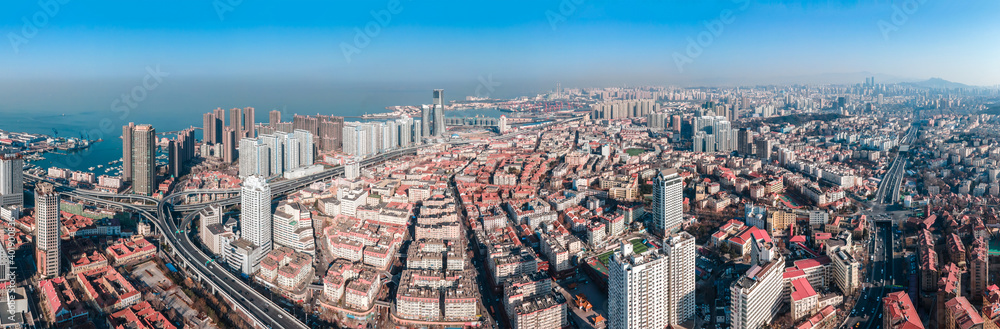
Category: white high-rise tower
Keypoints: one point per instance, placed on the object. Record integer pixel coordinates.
(255, 216)
(653, 289)
(11, 180)
(668, 201)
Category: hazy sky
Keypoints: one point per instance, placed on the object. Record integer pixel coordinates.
(577, 42)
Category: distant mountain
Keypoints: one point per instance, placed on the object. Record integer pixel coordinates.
(937, 83)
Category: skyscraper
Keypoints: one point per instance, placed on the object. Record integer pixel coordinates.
(716, 133)
(236, 120)
(208, 128)
(655, 288)
(249, 121)
(745, 141)
(11, 180)
(305, 147)
(668, 202)
(255, 214)
(439, 128)
(127, 131)
(425, 120)
(47, 230)
(277, 146)
(228, 145)
(144, 160)
(274, 118)
(255, 158)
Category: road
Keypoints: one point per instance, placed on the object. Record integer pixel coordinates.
(867, 312)
(888, 190)
(262, 310)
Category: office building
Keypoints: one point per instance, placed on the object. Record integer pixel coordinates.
(652, 289)
(11, 180)
(756, 297)
(47, 231)
(439, 128)
(426, 113)
(255, 215)
(668, 202)
(143, 160)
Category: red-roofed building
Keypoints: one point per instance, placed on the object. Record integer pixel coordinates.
(803, 298)
(108, 289)
(899, 313)
(959, 314)
(130, 251)
(139, 316)
(825, 318)
(60, 303)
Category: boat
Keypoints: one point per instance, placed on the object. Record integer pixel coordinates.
(91, 168)
(99, 166)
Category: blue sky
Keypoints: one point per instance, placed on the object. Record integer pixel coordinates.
(593, 43)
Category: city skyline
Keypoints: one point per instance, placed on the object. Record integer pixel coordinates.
(564, 164)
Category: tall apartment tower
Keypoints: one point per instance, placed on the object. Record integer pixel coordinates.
(274, 117)
(249, 123)
(11, 180)
(127, 131)
(208, 128)
(764, 148)
(653, 289)
(144, 160)
(229, 145)
(745, 141)
(47, 230)
(255, 158)
(255, 215)
(236, 120)
(439, 113)
(668, 202)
